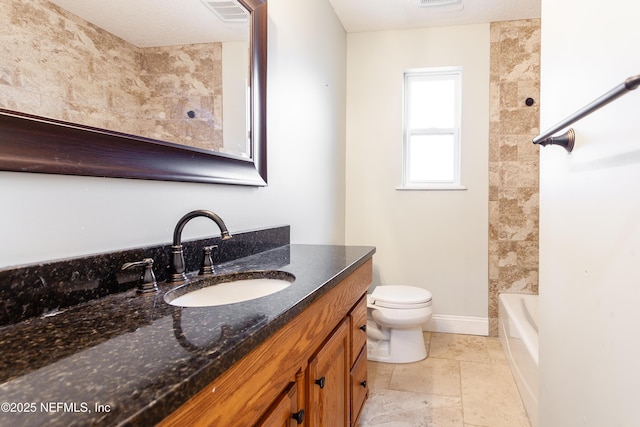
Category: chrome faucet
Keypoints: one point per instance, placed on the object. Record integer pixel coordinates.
(177, 267)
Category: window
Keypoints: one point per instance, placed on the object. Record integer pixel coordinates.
(431, 140)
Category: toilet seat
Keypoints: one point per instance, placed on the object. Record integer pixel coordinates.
(405, 297)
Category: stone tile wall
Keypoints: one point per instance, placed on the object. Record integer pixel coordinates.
(55, 64)
(513, 161)
(185, 94)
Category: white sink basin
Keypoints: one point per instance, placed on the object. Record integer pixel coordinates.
(229, 289)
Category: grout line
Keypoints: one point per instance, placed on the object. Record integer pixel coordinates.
(461, 393)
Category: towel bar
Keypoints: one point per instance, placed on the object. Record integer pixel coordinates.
(567, 139)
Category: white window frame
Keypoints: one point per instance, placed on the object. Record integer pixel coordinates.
(439, 73)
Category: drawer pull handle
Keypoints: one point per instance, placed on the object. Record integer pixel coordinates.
(298, 416)
(320, 382)
(363, 328)
(364, 383)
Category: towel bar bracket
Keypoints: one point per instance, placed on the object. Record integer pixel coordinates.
(567, 139)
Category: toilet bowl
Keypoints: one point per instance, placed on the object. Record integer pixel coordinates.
(395, 315)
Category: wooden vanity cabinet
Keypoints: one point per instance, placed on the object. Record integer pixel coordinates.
(279, 383)
(337, 375)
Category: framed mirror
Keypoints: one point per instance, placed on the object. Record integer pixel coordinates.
(35, 141)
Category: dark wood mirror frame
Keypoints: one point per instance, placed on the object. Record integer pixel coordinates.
(30, 143)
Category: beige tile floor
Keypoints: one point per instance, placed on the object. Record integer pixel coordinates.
(464, 382)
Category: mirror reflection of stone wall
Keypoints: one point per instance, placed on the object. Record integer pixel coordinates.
(54, 64)
(184, 86)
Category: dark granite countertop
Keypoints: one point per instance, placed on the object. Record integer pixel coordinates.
(129, 359)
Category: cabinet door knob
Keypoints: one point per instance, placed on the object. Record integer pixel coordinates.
(363, 328)
(298, 416)
(364, 383)
(320, 382)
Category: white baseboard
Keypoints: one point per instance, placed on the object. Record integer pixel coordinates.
(466, 325)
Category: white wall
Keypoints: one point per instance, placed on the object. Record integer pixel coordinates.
(45, 217)
(590, 218)
(433, 239)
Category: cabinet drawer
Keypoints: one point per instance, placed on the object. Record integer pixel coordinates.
(358, 320)
(359, 386)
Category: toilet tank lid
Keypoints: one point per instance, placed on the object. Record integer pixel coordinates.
(401, 295)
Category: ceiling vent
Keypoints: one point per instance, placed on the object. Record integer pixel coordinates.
(439, 3)
(227, 10)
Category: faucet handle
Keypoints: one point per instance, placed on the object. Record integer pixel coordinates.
(147, 279)
(206, 267)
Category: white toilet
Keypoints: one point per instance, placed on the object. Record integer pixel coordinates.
(395, 315)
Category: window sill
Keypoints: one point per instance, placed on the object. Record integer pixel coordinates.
(433, 188)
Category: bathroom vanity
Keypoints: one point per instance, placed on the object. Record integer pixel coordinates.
(312, 370)
(131, 359)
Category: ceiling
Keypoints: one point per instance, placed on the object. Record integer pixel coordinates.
(147, 23)
(171, 22)
(377, 15)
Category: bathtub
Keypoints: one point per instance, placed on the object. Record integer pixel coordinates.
(518, 331)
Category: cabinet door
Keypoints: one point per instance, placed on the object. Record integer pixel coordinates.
(284, 413)
(328, 382)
